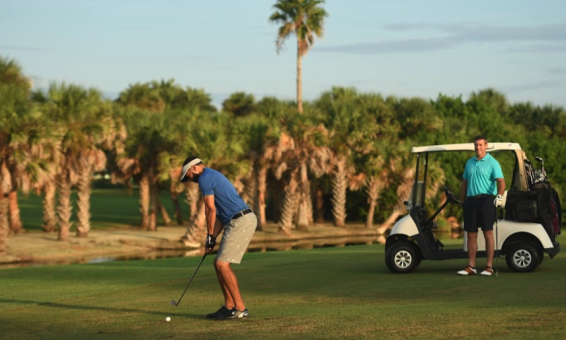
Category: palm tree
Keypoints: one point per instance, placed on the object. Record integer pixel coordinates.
(305, 18)
(239, 104)
(84, 126)
(21, 130)
(350, 132)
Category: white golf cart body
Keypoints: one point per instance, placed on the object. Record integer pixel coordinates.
(411, 238)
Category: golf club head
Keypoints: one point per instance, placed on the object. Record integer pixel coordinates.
(173, 303)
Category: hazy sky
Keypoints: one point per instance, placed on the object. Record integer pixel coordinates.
(404, 48)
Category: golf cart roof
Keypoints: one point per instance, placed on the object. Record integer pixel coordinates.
(491, 147)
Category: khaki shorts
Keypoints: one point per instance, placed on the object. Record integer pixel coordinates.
(236, 237)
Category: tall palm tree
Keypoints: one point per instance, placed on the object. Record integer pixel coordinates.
(304, 18)
(20, 131)
(350, 132)
(84, 126)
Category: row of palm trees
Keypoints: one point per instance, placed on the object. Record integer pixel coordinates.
(56, 140)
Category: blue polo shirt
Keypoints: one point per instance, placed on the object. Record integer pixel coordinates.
(226, 199)
(481, 175)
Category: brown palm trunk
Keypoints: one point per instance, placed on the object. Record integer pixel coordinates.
(163, 212)
(289, 206)
(299, 78)
(402, 192)
(319, 206)
(144, 201)
(304, 198)
(4, 224)
(64, 209)
(373, 190)
(176, 204)
(49, 215)
(262, 187)
(15, 221)
(83, 201)
(153, 206)
(339, 187)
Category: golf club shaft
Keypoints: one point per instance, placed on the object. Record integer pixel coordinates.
(191, 280)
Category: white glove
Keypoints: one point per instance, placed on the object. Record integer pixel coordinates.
(498, 201)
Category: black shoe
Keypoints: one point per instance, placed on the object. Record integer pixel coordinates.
(235, 314)
(221, 312)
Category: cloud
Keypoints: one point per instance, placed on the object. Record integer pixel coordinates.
(398, 46)
(538, 48)
(557, 71)
(23, 48)
(457, 34)
(533, 86)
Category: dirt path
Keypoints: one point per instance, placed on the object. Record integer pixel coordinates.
(43, 248)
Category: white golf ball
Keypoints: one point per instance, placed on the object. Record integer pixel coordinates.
(167, 319)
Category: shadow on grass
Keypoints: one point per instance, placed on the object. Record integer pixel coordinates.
(105, 309)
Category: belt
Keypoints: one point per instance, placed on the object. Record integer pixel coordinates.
(242, 213)
(478, 196)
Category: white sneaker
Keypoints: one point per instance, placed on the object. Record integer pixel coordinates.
(488, 271)
(468, 271)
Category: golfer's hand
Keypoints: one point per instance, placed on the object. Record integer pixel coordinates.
(209, 243)
(498, 201)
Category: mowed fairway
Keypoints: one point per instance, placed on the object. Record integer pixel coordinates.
(326, 293)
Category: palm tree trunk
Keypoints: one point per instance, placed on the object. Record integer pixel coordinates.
(339, 187)
(373, 190)
(262, 187)
(49, 215)
(389, 221)
(83, 201)
(144, 201)
(289, 205)
(65, 209)
(304, 198)
(402, 192)
(319, 206)
(15, 221)
(163, 213)
(153, 206)
(299, 78)
(4, 224)
(192, 193)
(176, 204)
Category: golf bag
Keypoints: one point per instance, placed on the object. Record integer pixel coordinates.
(540, 204)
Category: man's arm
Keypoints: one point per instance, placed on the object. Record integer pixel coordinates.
(463, 190)
(500, 186)
(214, 226)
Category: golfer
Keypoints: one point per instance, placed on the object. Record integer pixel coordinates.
(483, 180)
(225, 210)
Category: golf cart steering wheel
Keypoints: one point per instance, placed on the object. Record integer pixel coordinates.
(451, 196)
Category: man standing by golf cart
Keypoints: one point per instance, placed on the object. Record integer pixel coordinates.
(225, 210)
(482, 190)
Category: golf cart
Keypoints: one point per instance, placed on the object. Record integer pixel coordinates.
(523, 235)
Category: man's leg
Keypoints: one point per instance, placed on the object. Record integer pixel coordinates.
(472, 248)
(489, 247)
(229, 285)
(228, 300)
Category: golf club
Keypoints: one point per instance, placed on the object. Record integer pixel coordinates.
(176, 303)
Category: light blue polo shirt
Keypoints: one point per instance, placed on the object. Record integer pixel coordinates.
(481, 175)
(226, 198)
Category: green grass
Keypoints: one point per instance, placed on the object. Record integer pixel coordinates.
(110, 208)
(325, 293)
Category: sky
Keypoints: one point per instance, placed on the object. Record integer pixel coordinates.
(405, 48)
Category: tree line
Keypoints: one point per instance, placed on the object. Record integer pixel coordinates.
(346, 157)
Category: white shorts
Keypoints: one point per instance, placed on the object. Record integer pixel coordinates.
(236, 238)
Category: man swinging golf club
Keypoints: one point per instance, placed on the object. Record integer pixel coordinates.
(478, 192)
(225, 210)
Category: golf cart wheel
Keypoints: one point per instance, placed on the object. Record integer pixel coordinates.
(523, 257)
(402, 258)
